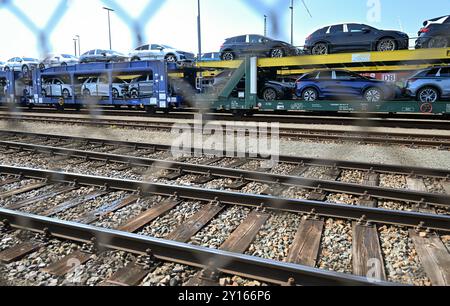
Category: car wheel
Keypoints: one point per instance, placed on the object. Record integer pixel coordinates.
(373, 94)
(171, 58)
(63, 64)
(134, 94)
(310, 94)
(135, 59)
(41, 67)
(7, 69)
(66, 94)
(428, 95)
(228, 56)
(43, 93)
(269, 94)
(387, 44)
(25, 69)
(277, 53)
(86, 93)
(320, 49)
(115, 93)
(438, 42)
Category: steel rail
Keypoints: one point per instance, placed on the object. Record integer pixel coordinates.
(345, 165)
(256, 176)
(322, 134)
(200, 257)
(357, 213)
(362, 120)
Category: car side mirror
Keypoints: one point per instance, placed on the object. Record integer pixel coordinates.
(366, 30)
(160, 48)
(104, 54)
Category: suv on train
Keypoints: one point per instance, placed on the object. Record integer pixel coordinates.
(342, 84)
(141, 86)
(161, 52)
(55, 87)
(56, 60)
(99, 55)
(99, 87)
(351, 37)
(430, 85)
(256, 45)
(435, 33)
(23, 64)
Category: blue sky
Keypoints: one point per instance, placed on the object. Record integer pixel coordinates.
(175, 21)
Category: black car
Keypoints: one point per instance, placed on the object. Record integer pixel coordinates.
(354, 37)
(255, 45)
(267, 90)
(435, 33)
(99, 55)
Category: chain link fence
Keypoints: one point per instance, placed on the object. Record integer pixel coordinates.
(277, 17)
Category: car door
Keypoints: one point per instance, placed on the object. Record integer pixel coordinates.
(324, 80)
(103, 86)
(144, 51)
(335, 35)
(57, 87)
(358, 37)
(444, 82)
(256, 45)
(241, 45)
(346, 84)
(147, 85)
(156, 51)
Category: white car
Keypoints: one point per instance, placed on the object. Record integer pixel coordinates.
(56, 88)
(99, 87)
(160, 52)
(23, 64)
(57, 60)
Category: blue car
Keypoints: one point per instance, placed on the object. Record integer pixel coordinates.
(342, 84)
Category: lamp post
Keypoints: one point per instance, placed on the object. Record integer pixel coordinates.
(292, 22)
(265, 25)
(109, 10)
(199, 34)
(75, 45)
(79, 44)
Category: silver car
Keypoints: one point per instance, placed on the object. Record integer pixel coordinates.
(56, 88)
(160, 52)
(99, 87)
(24, 64)
(429, 85)
(141, 86)
(57, 60)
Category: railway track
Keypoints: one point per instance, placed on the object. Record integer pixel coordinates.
(441, 142)
(344, 119)
(31, 203)
(173, 248)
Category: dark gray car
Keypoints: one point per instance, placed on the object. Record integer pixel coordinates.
(99, 55)
(256, 45)
(435, 33)
(351, 37)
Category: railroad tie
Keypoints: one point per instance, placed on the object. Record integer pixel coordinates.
(238, 242)
(9, 181)
(373, 180)
(417, 184)
(22, 190)
(193, 225)
(19, 251)
(43, 197)
(93, 216)
(68, 264)
(367, 256)
(434, 257)
(73, 203)
(305, 248)
(148, 216)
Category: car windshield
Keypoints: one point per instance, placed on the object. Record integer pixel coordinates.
(68, 56)
(167, 47)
